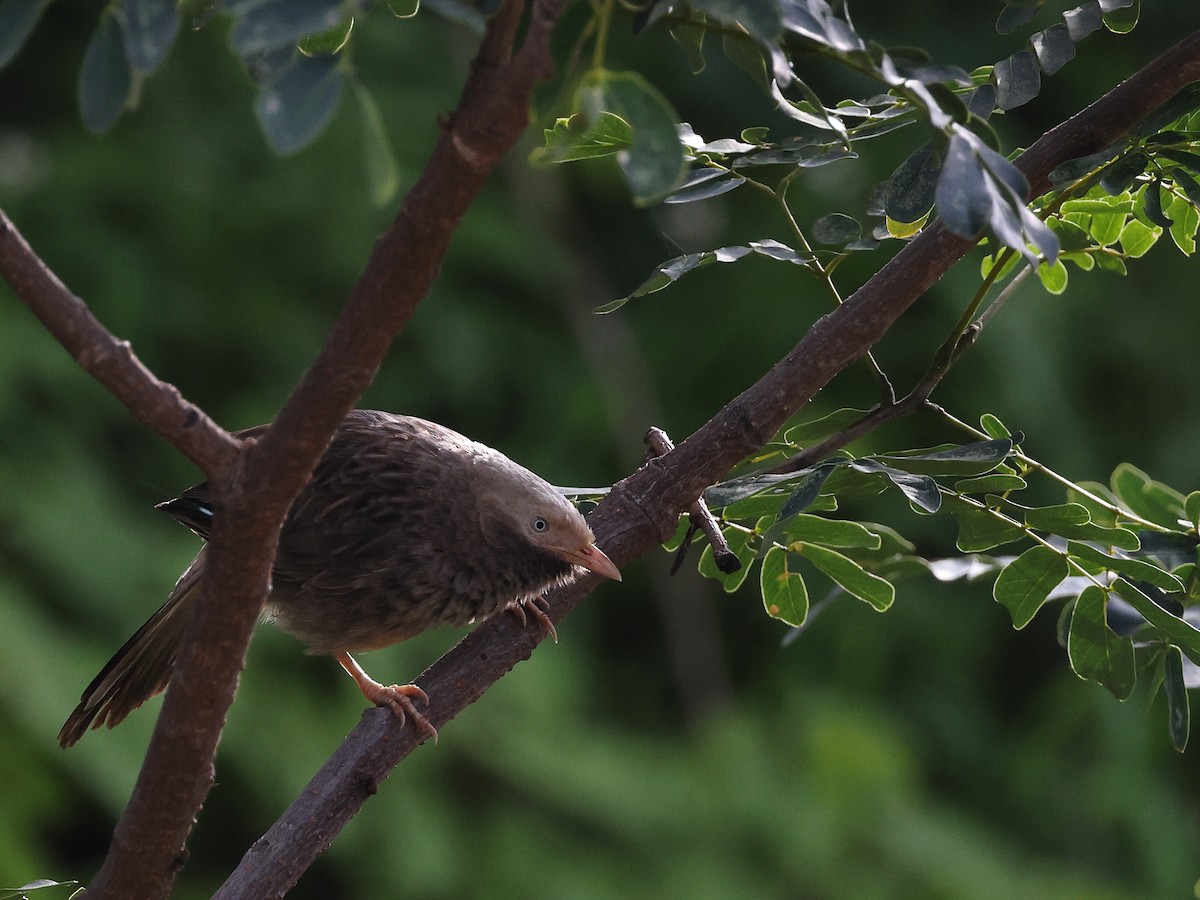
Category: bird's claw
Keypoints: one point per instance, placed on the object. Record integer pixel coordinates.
(539, 608)
(398, 698)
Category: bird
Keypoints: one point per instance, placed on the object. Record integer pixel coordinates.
(404, 525)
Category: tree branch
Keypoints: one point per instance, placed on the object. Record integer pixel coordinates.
(641, 511)
(110, 361)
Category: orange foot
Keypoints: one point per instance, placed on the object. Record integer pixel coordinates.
(396, 697)
(539, 608)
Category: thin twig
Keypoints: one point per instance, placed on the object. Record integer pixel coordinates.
(700, 515)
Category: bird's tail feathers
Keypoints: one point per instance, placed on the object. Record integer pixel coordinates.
(141, 668)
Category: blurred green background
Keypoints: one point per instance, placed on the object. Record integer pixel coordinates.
(669, 745)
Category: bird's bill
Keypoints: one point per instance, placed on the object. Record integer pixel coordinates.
(592, 558)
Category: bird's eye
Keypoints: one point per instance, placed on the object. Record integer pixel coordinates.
(539, 524)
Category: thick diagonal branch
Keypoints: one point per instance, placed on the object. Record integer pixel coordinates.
(641, 511)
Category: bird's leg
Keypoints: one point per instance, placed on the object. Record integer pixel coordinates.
(539, 608)
(395, 697)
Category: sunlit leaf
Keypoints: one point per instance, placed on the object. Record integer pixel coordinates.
(1146, 497)
(785, 596)
(1174, 628)
(1025, 584)
(1095, 651)
(830, 532)
(654, 164)
(576, 138)
(1137, 569)
(853, 578)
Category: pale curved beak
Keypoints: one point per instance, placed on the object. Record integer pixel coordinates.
(592, 558)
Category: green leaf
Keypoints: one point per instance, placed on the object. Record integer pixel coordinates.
(1185, 218)
(273, 24)
(1018, 80)
(1122, 538)
(327, 43)
(1025, 583)
(831, 423)
(806, 492)
(1122, 21)
(856, 581)
(830, 532)
(1146, 497)
(17, 21)
(1119, 176)
(704, 183)
(999, 483)
(1137, 238)
(980, 529)
(1178, 711)
(674, 269)
(761, 20)
(1191, 507)
(1100, 503)
(1095, 651)
(150, 27)
(993, 427)
(784, 594)
(962, 196)
(1171, 626)
(922, 492)
(1053, 48)
(379, 164)
(690, 37)
(105, 79)
(962, 460)
(1075, 169)
(912, 187)
(836, 229)
(1151, 197)
(1083, 20)
(1137, 569)
(746, 54)
(1053, 276)
(295, 107)
(654, 165)
(574, 138)
(1051, 518)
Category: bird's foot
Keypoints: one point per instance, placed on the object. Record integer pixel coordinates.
(539, 608)
(396, 697)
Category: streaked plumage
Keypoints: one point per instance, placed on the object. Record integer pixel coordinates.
(405, 525)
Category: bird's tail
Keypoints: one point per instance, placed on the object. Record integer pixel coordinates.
(142, 667)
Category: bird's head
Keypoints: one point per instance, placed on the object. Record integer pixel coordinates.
(516, 504)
